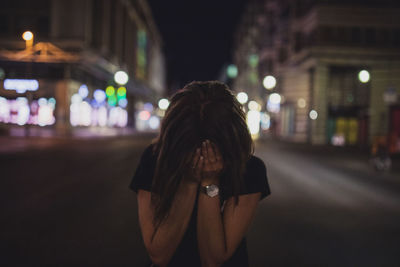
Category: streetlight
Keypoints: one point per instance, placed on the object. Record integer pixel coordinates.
(121, 77)
(242, 97)
(364, 76)
(28, 37)
(163, 104)
(269, 82)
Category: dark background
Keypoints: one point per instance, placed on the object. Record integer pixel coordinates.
(197, 35)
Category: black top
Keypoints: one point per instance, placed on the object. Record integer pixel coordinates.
(186, 254)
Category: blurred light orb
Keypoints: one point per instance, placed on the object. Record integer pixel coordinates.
(23, 114)
(27, 36)
(313, 114)
(42, 101)
(112, 101)
(76, 98)
(83, 91)
(110, 90)
(144, 115)
(253, 60)
(253, 121)
(269, 82)
(301, 103)
(242, 97)
(99, 95)
(265, 121)
(45, 116)
(148, 106)
(123, 103)
(364, 76)
(52, 101)
(154, 122)
(121, 91)
(275, 98)
(163, 104)
(253, 105)
(121, 77)
(232, 71)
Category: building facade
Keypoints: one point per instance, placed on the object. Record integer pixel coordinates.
(78, 46)
(337, 66)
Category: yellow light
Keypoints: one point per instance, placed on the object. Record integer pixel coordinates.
(253, 105)
(27, 36)
(301, 103)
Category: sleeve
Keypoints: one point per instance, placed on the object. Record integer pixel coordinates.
(255, 178)
(143, 177)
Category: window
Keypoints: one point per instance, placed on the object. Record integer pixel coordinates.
(370, 36)
(356, 37)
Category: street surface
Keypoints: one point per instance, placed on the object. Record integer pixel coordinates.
(66, 202)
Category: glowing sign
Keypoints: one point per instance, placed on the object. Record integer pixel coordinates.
(21, 85)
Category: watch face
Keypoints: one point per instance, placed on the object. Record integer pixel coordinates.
(212, 190)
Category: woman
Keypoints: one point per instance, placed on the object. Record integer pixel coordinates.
(198, 184)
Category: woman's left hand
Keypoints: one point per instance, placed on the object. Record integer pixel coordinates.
(212, 163)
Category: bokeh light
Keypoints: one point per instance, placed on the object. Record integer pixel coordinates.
(121, 77)
(364, 76)
(269, 82)
(242, 97)
(27, 36)
(232, 71)
(163, 104)
(313, 114)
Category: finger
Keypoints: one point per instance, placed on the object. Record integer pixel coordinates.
(205, 152)
(196, 158)
(200, 166)
(210, 151)
(217, 153)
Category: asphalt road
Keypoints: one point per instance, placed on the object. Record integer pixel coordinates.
(66, 202)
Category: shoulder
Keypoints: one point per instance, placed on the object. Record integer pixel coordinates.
(255, 164)
(144, 173)
(255, 177)
(148, 156)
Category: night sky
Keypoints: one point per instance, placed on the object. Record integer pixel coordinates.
(197, 35)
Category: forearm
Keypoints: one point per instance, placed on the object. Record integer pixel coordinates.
(171, 231)
(210, 231)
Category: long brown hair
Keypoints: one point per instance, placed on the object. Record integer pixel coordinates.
(199, 111)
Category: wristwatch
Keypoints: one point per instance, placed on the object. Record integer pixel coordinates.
(211, 190)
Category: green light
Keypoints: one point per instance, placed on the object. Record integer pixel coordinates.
(110, 90)
(121, 92)
(253, 60)
(232, 71)
(112, 101)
